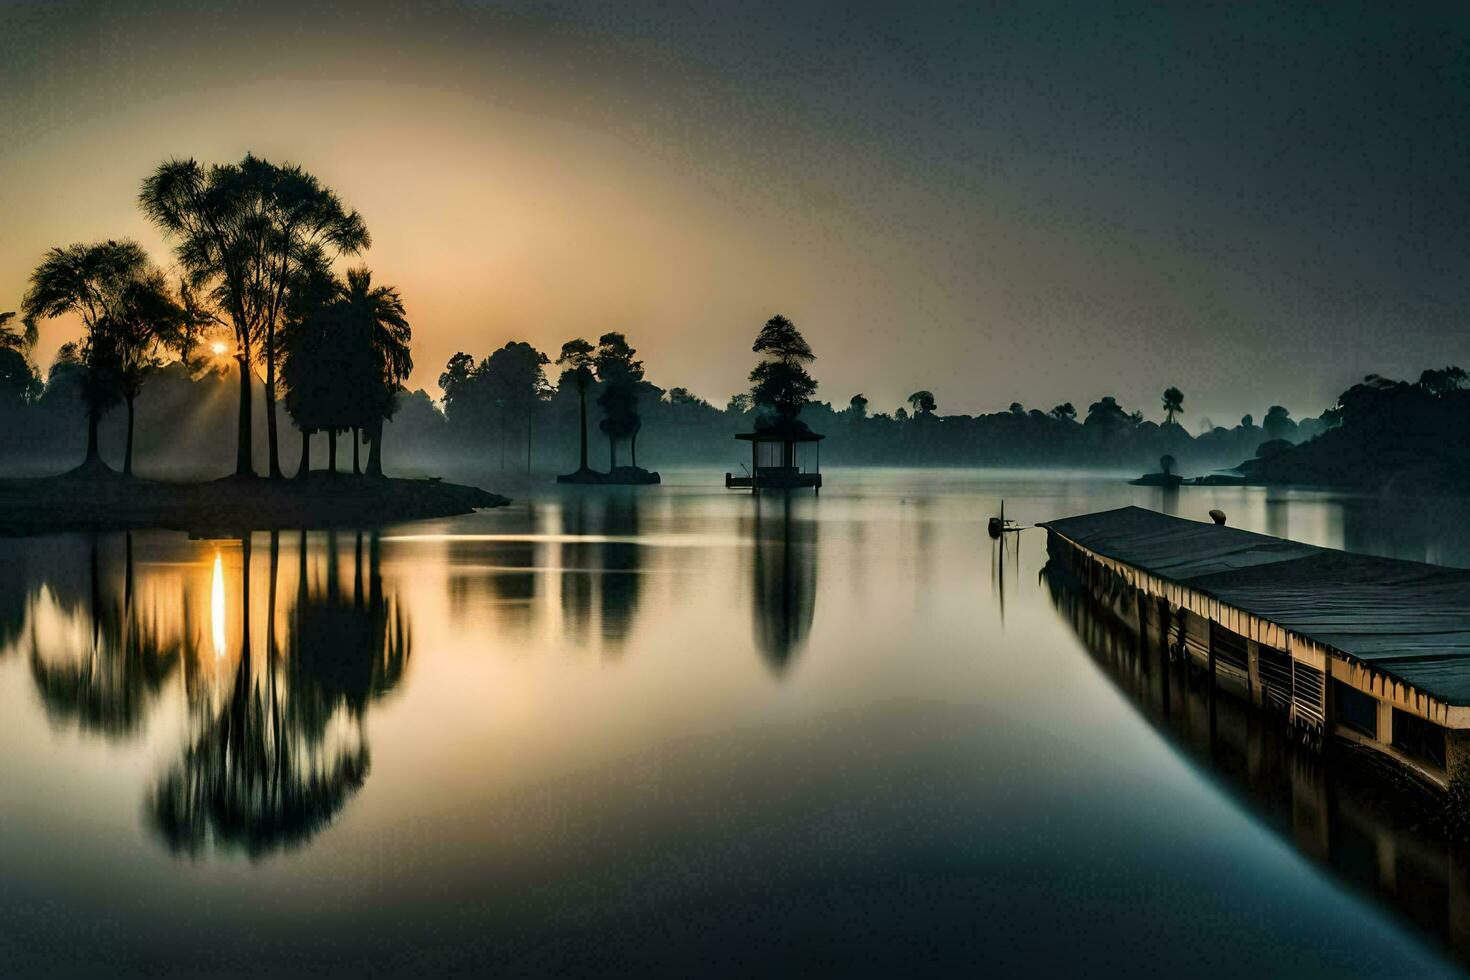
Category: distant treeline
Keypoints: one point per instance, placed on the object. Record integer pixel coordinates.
(262, 341)
(500, 411)
(1384, 434)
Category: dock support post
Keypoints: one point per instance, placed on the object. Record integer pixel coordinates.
(1456, 751)
(1384, 733)
(1211, 683)
(1253, 671)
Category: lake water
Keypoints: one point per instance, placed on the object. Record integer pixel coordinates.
(674, 729)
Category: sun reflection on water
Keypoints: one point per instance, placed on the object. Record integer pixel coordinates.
(217, 606)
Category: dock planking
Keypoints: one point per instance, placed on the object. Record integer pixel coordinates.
(1395, 631)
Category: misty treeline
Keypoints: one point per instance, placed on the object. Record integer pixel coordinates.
(515, 408)
(1383, 433)
(253, 341)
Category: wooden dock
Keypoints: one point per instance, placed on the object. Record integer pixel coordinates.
(1371, 651)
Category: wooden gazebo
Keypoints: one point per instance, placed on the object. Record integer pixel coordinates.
(782, 457)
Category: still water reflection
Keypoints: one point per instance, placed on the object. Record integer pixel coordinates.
(673, 729)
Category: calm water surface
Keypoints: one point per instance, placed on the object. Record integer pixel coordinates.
(672, 729)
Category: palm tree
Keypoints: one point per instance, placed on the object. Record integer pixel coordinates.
(577, 356)
(147, 319)
(309, 365)
(100, 283)
(241, 232)
(1173, 404)
(377, 334)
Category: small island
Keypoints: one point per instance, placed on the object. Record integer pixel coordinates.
(89, 501)
(610, 363)
(1165, 477)
(256, 245)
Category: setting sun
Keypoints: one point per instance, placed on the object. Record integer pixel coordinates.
(219, 347)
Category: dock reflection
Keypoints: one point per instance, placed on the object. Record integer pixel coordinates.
(1377, 839)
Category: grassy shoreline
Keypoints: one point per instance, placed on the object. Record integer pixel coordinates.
(99, 499)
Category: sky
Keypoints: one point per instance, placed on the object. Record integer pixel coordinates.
(1035, 203)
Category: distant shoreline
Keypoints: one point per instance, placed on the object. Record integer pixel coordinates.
(107, 501)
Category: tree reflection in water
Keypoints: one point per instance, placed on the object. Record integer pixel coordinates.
(105, 677)
(601, 565)
(784, 573)
(1371, 832)
(285, 751)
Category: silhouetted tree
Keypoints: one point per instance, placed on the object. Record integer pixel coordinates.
(514, 379)
(577, 356)
(376, 333)
(455, 381)
(1278, 423)
(620, 375)
(101, 284)
(857, 406)
(1106, 413)
(1173, 402)
(922, 403)
(19, 383)
(683, 396)
(1441, 381)
(346, 355)
(18, 340)
(239, 231)
(781, 386)
(312, 359)
(145, 321)
(1065, 412)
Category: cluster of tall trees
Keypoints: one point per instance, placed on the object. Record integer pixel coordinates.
(501, 396)
(254, 245)
(128, 314)
(345, 355)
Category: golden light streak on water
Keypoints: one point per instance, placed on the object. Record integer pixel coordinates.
(217, 606)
